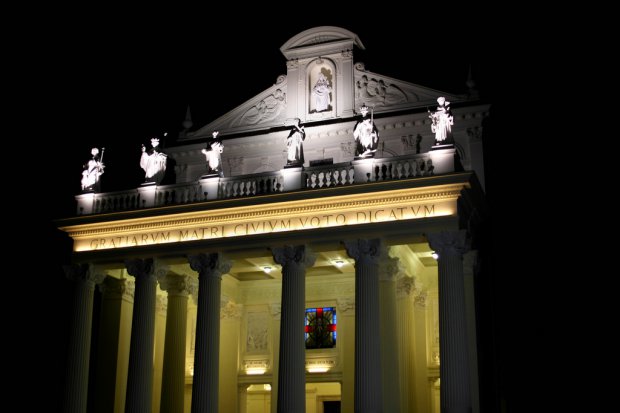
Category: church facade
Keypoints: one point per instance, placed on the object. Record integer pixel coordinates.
(308, 270)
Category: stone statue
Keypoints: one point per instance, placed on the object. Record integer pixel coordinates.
(321, 92)
(294, 143)
(153, 162)
(213, 155)
(442, 122)
(93, 169)
(366, 135)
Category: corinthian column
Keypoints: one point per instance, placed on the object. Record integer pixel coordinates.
(291, 371)
(106, 394)
(389, 339)
(140, 376)
(368, 394)
(210, 268)
(76, 387)
(454, 367)
(173, 383)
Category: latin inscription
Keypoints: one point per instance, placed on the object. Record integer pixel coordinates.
(265, 227)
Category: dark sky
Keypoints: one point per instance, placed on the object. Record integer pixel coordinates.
(115, 87)
(116, 83)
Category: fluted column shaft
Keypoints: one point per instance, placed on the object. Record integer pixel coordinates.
(112, 290)
(76, 387)
(368, 393)
(140, 376)
(210, 268)
(173, 382)
(389, 339)
(291, 364)
(454, 366)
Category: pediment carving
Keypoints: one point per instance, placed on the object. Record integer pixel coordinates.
(265, 110)
(385, 93)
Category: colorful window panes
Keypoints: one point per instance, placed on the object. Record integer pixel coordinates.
(320, 327)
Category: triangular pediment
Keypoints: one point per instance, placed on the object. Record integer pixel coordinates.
(263, 111)
(387, 94)
(320, 40)
(308, 54)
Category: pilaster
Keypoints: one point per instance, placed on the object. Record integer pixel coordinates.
(389, 270)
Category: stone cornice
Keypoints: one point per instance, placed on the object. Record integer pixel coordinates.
(171, 228)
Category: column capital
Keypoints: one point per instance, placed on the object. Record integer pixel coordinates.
(390, 268)
(470, 259)
(84, 272)
(364, 250)
(449, 242)
(161, 303)
(406, 286)
(210, 264)
(113, 287)
(178, 284)
(420, 299)
(299, 255)
(139, 268)
(130, 290)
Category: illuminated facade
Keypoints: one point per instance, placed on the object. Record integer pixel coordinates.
(291, 289)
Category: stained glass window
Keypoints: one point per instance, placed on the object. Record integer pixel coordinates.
(320, 327)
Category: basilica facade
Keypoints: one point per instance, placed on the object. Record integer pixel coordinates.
(321, 260)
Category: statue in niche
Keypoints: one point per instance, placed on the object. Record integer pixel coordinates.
(93, 169)
(294, 144)
(366, 135)
(322, 91)
(441, 122)
(213, 155)
(153, 161)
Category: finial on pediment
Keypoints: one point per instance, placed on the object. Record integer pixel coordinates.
(187, 123)
(472, 92)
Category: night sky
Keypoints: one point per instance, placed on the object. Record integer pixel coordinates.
(115, 84)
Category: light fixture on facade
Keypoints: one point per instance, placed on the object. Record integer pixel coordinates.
(252, 371)
(255, 367)
(434, 255)
(320, 365)
(339, 263)
(318, 369)
(267, 269)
